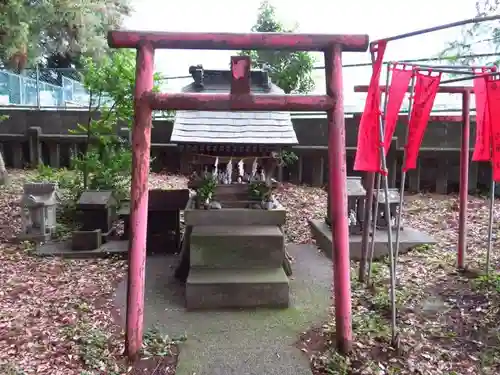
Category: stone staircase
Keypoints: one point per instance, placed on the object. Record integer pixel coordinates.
(236, 266)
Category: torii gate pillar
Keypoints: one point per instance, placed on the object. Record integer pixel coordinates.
(238, 100)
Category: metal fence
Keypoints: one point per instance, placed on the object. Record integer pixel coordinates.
(63, 88)
(43, 88)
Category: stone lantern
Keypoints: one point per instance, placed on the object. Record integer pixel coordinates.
(393, 201)
(356, 195)
(38, 203)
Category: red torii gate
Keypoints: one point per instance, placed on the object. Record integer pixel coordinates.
(240, 99)
(466, 92)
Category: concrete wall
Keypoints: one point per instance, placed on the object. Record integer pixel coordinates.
(30, 135)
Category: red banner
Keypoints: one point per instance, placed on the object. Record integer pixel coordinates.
(482, 148)
(426, 88)
(367, 154)
(397, 90)
(493, 94)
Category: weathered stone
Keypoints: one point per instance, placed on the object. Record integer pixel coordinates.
(241, 247)
(409, 238)
(99, 210)
(235, 216)
(212, 289)
(38, 204)
(86, 240)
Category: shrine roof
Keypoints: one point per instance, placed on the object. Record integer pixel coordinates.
(235, 127)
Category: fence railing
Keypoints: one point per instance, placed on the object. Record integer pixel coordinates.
(43, 88)
(63, 89)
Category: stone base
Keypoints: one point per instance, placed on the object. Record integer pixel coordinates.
(409, 238)
(86, 240)
(63, 249)
(237, 288)
(240, 247)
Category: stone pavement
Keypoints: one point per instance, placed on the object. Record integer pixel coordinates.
(249, 342)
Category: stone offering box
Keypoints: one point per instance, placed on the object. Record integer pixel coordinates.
(98, 209)
(164, 208)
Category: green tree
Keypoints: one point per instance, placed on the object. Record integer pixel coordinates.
(107, 159)
(56, 32)
(289, 70)
(477, 38)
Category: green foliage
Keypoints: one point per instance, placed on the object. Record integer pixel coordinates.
(36, 29)
(489, 282)
(259, 190)
(206, 188)
(477, 38)
(92, 345)
(287, 158)
(107, 162)
(290, 70)
(156, 343)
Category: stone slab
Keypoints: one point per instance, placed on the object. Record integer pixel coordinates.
(63, 249)
(86, 240)
(235, 216)
(237, 288)
(409, 238)
(237, 247)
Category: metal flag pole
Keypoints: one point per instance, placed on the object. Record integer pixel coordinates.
(476, 76)
(490, 224)
(385, 182)
(403, 172)
(371, 250)
(440, 27)
(377, 187)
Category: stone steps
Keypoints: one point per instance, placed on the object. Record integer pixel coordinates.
(236, 266)
(252, 246)
(233, 288)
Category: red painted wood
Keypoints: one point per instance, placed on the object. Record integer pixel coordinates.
(338, 198)
(228, 102)
(141, 145)
(230, 41)
(240, 75)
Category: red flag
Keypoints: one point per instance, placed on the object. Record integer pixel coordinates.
(426, 88)
(482, 148)
(367, 154)
(397, 90)
(493, 92)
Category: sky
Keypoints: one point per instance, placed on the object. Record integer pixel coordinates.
(377, 18)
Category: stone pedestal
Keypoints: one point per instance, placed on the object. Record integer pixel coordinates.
(236, 256)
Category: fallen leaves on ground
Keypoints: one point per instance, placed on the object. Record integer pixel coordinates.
(449, 322)
(57, 314)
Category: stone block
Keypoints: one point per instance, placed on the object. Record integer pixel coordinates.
(237, 247)
(86, 240)
(237, 288)
(235, 216)
(409, 238)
